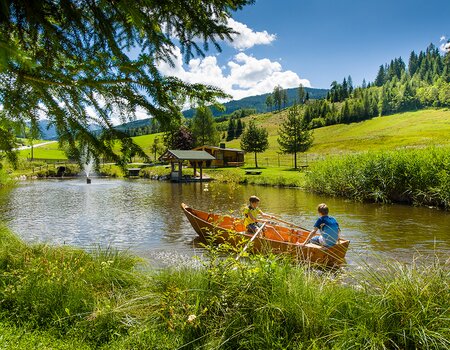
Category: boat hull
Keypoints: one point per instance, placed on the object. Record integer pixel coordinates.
(274, 238)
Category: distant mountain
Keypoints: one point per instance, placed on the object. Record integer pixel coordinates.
(48, 130)
(134, 124)
(259, 102)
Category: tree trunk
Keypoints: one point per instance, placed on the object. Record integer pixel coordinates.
(256, 161)
(295, 160)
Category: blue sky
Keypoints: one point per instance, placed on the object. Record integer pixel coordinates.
(314, 42)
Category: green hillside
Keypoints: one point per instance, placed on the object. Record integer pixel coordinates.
(409, 129)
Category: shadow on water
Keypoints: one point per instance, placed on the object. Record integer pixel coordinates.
(145, 217)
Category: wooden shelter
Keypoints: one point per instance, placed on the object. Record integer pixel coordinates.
(177, 157)
(223, 156)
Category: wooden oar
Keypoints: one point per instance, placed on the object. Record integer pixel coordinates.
(286, 222)
(251, 240)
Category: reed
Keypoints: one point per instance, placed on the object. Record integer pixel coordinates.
(414, 176)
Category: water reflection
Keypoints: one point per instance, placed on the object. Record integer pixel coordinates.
(145, 216)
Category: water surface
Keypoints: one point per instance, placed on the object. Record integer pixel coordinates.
(144, 217)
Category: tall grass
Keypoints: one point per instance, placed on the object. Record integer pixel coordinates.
(5, 179)
(101, 300)
(59, 288)
(415, 176)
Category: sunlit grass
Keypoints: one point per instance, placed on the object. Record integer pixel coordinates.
(64, 297)
(49, 151)
(411, 129)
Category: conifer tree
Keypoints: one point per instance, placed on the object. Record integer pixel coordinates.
(69, 58)
(301, 94)
(344, 90)
(350, 85)
(345, 113)
(231, 131)
(413, 63)
(239, 128)
(294, 134)
(285, 98)
(381, 77)
(254, 139)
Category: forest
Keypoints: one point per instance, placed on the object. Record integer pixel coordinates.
(424, 82)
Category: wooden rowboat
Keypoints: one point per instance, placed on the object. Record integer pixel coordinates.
(274, 238)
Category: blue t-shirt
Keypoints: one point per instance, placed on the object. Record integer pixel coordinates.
(329, 228)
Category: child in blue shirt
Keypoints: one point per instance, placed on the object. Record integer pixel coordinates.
(328, 226)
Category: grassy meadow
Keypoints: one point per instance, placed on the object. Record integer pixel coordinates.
(50, 151)
(410, 129)
(64, 298)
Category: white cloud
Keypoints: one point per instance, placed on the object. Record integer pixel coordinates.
(246, 37)
(445, 47)
(244, 75)
(442, 38)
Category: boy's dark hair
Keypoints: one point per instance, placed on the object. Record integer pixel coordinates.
(254, 199)
(322, 209)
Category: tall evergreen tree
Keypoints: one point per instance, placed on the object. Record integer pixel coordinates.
(344, 90)
(239, 128)
(66, 58)
(254, 139)
(350, 85)
(294, 134)
(231, 131)
(345, 113)
(381, 76)
(413, 63)
(301, 94)
(285, 98)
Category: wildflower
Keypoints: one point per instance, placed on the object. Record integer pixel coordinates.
(191, 318)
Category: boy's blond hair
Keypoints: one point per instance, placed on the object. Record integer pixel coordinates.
(253, 199)
(322, 209)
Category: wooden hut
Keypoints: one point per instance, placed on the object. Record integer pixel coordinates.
(195, 158)
(223, 156)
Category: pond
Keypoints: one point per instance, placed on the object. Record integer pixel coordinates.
(144, 217)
